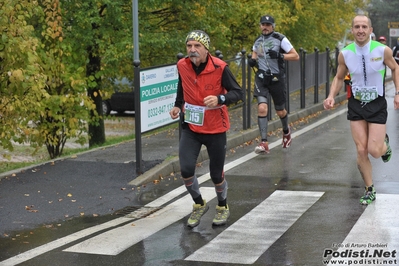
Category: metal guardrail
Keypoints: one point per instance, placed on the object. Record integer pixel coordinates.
(311, 71)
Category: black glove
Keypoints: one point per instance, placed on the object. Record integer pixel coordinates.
(252, 62)
(274, 55)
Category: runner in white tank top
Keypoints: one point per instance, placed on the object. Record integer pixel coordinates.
(366, 60)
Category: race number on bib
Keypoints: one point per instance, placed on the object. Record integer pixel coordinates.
(194, 114)
(366, 94)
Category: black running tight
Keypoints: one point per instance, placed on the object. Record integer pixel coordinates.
(189, 147)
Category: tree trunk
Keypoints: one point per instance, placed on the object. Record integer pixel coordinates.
(96, 130)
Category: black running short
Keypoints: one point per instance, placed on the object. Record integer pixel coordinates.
(277, 90)
(373, 112)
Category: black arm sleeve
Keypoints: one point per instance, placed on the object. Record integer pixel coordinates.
(234, 91)
(179, 95)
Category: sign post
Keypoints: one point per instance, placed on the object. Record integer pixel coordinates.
(393, 30)
(136, 63)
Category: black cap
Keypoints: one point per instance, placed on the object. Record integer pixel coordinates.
(267, 19)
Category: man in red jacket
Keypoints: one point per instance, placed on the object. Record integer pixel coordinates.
(206, 85)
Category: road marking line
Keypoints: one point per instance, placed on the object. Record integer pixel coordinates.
(248, 238)
(119, 239)
(156, 203)
(178, 191)
(30, 254)
(378, 224)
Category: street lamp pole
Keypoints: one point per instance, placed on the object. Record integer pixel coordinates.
(137, 107)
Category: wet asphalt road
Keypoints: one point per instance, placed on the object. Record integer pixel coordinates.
(287, 208)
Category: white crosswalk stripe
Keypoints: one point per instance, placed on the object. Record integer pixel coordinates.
(376, 229)
(254, 233)
(111, 242)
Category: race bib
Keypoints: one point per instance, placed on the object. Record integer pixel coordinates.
(194, 114)
(366, 94)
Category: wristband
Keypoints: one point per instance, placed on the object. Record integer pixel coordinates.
(221, 99)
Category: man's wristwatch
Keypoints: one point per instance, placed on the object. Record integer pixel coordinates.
(221, 99)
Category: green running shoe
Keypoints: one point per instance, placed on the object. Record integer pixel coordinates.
(387, 156)
(198, 211)
(221, 216)
(369, 196)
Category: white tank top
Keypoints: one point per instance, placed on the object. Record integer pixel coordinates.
(366, 65)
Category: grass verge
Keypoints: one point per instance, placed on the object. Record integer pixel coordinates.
(32, 157)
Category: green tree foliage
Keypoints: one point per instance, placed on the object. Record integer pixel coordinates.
(64, 111)
(100, 35)
(233, 25)
(21, 75)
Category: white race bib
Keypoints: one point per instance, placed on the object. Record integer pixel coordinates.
(365, 94)
(194, 114)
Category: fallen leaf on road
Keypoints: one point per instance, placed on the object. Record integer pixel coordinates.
(30, 209)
